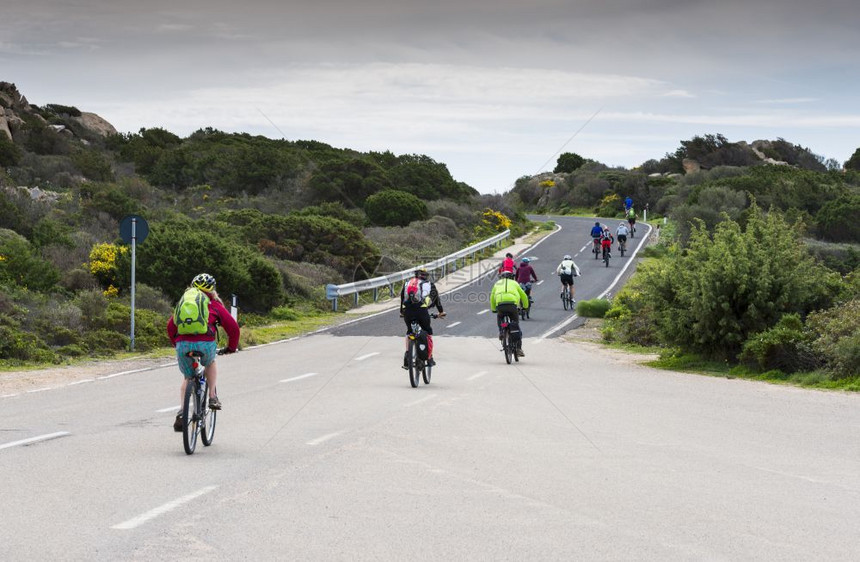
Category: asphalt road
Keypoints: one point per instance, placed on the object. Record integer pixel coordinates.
(324, 451)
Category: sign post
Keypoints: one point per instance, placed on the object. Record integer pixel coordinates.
(132, 229)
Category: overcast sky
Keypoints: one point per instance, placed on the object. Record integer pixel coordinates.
(495, 89)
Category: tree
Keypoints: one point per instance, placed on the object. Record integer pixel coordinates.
(568, 162)
(853, 163)
(394, 208)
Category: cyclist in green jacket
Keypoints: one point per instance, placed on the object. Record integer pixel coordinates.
(504, 299)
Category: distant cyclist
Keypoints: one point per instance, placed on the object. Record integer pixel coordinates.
(566, 271)
(631, 218)
(505, 298)
(508, 264)
(621, 233)
(596, 232)
(606, 240)
(628, 204)
(416, 297)
(187, 336)
(525, 275)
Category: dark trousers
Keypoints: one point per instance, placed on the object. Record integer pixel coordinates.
(511, 311)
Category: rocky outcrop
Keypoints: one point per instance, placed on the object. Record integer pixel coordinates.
(691, 166)
(14, 106)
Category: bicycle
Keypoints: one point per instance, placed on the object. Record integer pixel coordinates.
(606, 256)
(507, 344)
(197, 417)
(525, 313)
(632, 222)
(596, 247)
(567, 299)
(622, 245)
(417, 365)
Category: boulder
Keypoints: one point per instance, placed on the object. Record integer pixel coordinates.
(691, 166)
(96, 124)
(4, 124)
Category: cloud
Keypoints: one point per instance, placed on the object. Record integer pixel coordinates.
(173, 27)
(787, 101)
(678, 94)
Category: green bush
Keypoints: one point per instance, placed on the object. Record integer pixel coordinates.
(23, 346)
(712, 297)
(781, 347)
(9, 152)
(104, 342)
(20, 264)
(568, 162)
(394, 208)
(594, 308)
(283, 313)
(837, 337)
(839, 220)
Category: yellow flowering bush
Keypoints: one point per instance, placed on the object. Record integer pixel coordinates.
(111, 292)
(547, 183)
(103, 262)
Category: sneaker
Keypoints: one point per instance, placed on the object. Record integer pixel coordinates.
(501, 336)
(431, 362)
(520, 353)
(177, 424)
(214, 403)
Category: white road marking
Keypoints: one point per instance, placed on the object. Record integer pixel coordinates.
(363, 357)
(41, 389)
(582, 249)
(323, 439)
(540, 282)
(127, 372)
(306, 375)
(80, 382)
(486, 310)
(454, 324)
(35, 439)
(420, 400)
(162, 509)
(477, 375)
(170, 409)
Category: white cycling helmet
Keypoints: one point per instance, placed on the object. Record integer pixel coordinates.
(567, 257)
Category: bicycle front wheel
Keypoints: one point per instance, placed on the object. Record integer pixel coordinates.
(425, 373)
(190, 427)
(412, 357)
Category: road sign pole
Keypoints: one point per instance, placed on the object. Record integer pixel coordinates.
(133, 247)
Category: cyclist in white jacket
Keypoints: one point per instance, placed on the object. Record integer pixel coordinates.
(566, 271)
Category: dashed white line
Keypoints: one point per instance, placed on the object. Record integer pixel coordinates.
(420, 400)
(486, 310)
(300, 377)
(81, 382)
(454, 324)
(477, 375)
(324, 438)
(35, 439)
(540, 282)
(41, 389)
(363, 357)
(162, 509)
(170, 409)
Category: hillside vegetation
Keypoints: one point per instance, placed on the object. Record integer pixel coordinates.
(272, 220)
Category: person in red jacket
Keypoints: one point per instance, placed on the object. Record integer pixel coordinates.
(508, 264)
(205, 343)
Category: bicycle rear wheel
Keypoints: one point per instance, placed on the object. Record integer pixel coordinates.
(190, 427)
(506, 343)
(207, 425)
(412, 358)
(565, 298)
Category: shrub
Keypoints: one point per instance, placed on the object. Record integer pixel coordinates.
(594, 308)
(283, 313)
(781, 347)
(394, 208)
(839, 220)
(21, 265)
(105, 342)
(23, 346)
(10, 154)
(568, 162)
(837, 337)
(103, 263)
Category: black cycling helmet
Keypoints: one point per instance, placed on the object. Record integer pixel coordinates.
(204, 282)
(507, 275)
(597, 223)
(422, 273)
(509, 255)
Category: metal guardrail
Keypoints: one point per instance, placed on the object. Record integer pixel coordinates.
(333, 292)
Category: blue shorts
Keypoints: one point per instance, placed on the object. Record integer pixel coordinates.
(207, 348)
